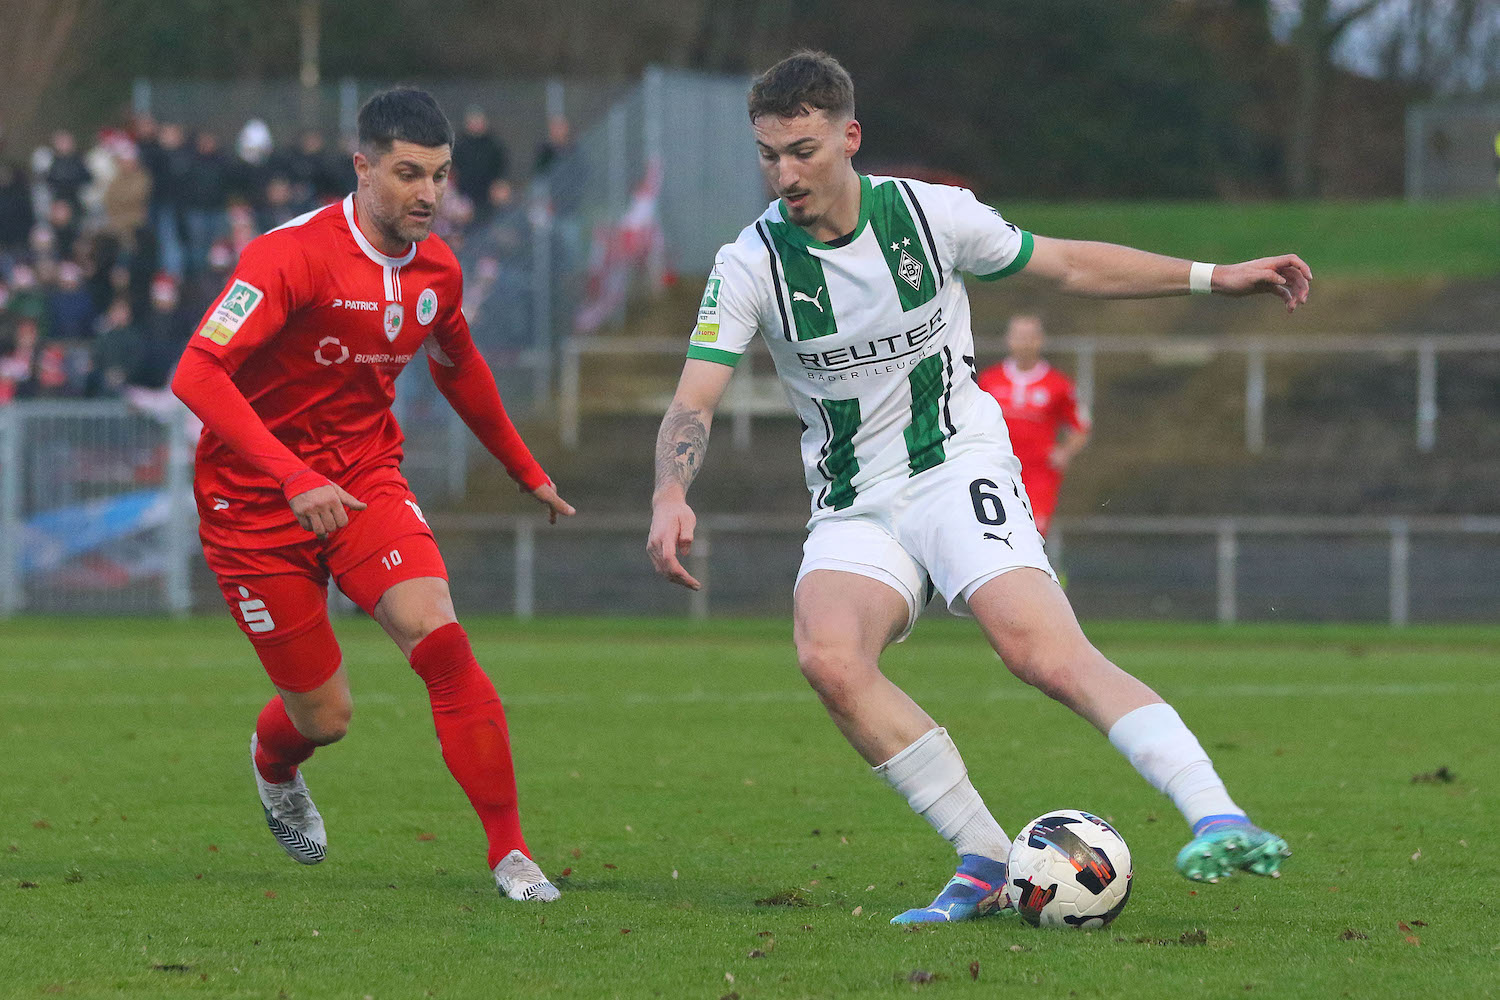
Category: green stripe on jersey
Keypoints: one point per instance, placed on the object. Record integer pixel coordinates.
(807, 290)
(700, 353)
(924, 435)
(902, 246)
(840, 463)
(1023, 256)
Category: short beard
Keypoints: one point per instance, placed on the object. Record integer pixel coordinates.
(395, 232)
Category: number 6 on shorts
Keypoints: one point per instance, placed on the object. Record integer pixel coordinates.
(987, 506)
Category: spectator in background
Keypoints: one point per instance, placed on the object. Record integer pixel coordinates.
(62, 223)
(310, 169)
(115, 352)
(70, 306)
(127, 200)
(66, 173)
(164, 333)
(557, 145)
(498, 296)
(169, 162)
(16, 215)
(204, 192)
(277, 203)
(20, 362)
(27, 300)
(251, 169)
(478, 157)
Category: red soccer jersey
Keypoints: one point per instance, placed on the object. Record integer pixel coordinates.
(1036, 403)
(313, 329)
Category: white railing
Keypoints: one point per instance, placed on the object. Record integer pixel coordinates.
(751, 396)
(1227, 534)
(96, 507)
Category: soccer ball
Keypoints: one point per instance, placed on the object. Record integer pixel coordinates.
(1068, 869)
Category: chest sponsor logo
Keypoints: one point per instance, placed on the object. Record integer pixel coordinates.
(708, 311)
(877, 356)
(395, 318)
(427, 306)
(331, 351)
(362, 305)
(230, 314)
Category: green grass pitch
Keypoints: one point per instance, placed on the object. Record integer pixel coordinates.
(674, 774)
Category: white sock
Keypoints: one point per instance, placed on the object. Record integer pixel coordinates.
(932, 777)
(1166, 753)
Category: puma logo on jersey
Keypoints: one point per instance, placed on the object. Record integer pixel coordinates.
(253, 611)
(997, 538)
(813, 298)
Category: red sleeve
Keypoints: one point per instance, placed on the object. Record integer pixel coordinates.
(205, 386)
(1068, 408)
(270, 282)
(989, 377)
(464, 377)
(267, 285)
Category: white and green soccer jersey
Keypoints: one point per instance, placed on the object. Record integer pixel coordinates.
(871, 338)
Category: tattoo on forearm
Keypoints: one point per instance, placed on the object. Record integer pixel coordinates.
(680, 446)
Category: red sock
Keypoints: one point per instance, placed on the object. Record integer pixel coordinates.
(279, 747)
(471, 730)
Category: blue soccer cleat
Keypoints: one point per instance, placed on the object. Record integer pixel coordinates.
(977, 889)
(1222, 845)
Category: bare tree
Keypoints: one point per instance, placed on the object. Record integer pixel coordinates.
(40, 48)
(1320, 26)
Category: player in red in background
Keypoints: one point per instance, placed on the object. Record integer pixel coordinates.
(298, 475)
(1038, 401)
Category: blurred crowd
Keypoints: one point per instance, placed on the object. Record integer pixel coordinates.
(109, 255)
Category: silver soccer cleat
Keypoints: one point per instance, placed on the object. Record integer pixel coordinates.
(518, 877)
(291, 815)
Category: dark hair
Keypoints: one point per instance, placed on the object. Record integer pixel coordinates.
(804, 81)
(403, 113)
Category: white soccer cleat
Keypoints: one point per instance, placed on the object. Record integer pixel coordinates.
(291, 815)
(518, 877)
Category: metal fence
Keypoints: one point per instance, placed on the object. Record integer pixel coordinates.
(1228, 569)
(96, 515)
(755, 390)
(96, 509)
(1453, 149)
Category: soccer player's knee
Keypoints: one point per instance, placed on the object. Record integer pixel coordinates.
(330, 723)
(423, 623)
(834, 670)
(1054, 674)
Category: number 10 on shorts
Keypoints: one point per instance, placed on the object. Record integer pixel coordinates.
(391, 559)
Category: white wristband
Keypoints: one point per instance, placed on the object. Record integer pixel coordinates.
(1201, 278)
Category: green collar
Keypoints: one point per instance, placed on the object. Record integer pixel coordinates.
(797, 234)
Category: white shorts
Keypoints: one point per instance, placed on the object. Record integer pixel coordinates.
(948, 530)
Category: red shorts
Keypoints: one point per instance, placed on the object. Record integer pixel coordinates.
(1043, 483)
(279, 596)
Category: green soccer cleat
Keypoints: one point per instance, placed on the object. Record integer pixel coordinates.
(1226, 844)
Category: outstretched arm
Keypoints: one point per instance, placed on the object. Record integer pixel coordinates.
(1109, 271)
(465, 380)
(681, 445)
